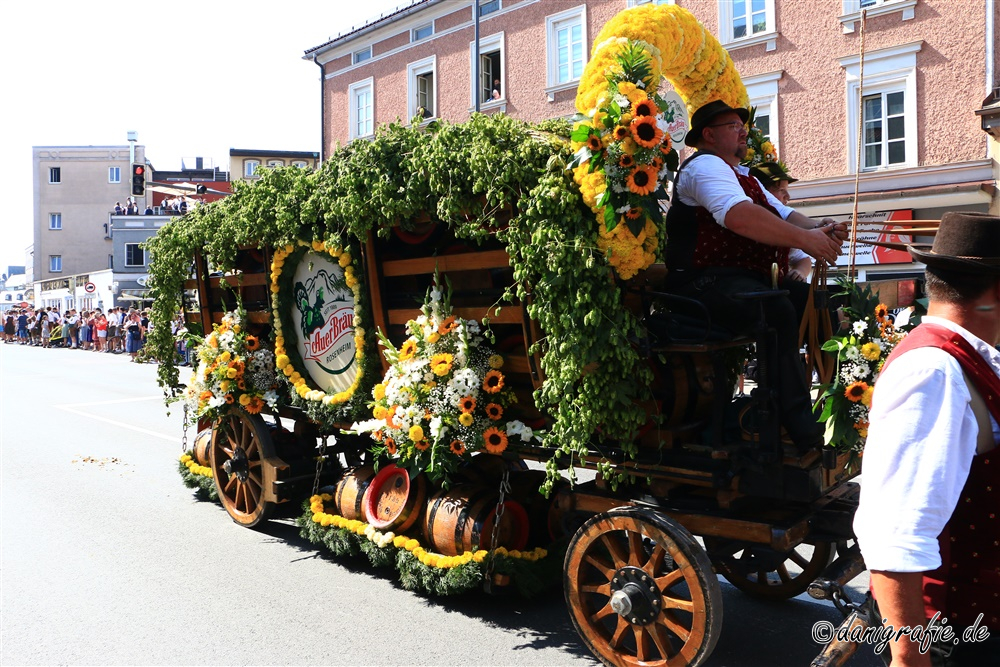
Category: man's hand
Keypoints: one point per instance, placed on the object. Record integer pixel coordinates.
(822, 243)
(836, 229)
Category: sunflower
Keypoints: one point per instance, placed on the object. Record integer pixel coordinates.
(408, 350)
(645, 108)
(457, 447)
(621, 133)
(642, 180)
(494, 440)
(449, 325)
(645, 131)
(422, 445)
(441, 364)
(855, 391)
(252, 343)
(467, 404)
(881, 311)
(493, 382)
(626, 161)
(494, 411)
(495, 361)
(390, 446)
(633, 213)
(229, 399)
(866, 398)
(667, 144)
(255, 405)
(378, 435)
(594, 143)
(241, 384)
(871, 351)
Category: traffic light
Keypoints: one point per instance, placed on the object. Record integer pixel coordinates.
(138, 179)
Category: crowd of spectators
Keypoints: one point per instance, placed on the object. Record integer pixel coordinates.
(120, 330)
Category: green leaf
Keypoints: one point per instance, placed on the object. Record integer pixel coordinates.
(833, 345)
(581, 133)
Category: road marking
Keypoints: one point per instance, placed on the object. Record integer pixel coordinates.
(110, 402)
(114, 422)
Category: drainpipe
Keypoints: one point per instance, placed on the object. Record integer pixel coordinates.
(475, 69)
(322, 111)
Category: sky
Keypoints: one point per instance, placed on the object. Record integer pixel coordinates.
(192, 78)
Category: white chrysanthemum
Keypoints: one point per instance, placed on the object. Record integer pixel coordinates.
(621, 100)
(852, 353)
(216, 401)
(860, 327)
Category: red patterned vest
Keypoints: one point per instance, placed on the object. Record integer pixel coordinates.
(968, 581)
(696, 241)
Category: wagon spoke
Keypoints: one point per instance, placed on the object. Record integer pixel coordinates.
(620, 629)
(670, 622)
(254, 491)
(597, 589)
(783, 573)
(798, 559)
(636, 550)
(641, 643)
(602, 613)
(614, 547)
(606, 568)
(761, 577)
(666, 581)
(677, 603)
(662, 640)
(655, 562)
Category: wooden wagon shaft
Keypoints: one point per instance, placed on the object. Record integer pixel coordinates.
(903, 223)
(886, 244)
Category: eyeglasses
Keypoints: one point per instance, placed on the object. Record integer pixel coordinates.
(735, 124)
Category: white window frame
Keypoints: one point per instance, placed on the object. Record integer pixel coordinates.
(489, 44)
(636, 3)
(415, 70)
(250, 168)
(138, 247)
(413, 32)
(275, 163)
(55, 221)
(553, 23)
(57, 172)
(361, 55)
(852, 11)
(762, 90)
(480, 4)
(886, 70)
(353, 91)
(55, 264)
(301, 164)
(114, 174)
(768, 37)
(884, 120)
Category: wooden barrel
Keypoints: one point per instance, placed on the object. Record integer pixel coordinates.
(544, 516)
(203, 447)
(393, 500)
(487, 469)
(461, 519)
(685, 385)
(350, 492)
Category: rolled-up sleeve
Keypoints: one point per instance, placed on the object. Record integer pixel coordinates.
(920, 446)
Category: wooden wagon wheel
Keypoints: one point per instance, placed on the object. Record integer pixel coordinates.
(641, 591)
(762, 572)
(240, 443)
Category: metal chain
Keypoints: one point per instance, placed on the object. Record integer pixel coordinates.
(498, 515)
(319, 464)
(184, 439)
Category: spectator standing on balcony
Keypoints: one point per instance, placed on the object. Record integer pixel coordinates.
(118, 208)
(148, 211)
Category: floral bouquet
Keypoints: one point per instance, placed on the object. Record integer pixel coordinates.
(233, 369)
(759, 148)
(623, 157)
(861, 352)
(444, 396)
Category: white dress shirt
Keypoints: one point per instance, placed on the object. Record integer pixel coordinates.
(919, 450)
(710, 182)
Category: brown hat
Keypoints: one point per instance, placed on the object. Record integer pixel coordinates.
(701, 118)
(965, 242)
(770, 173)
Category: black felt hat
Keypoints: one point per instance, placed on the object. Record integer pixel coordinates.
(965, 242)
(701, 118)
(770, 173)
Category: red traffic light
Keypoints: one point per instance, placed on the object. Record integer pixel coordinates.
(139, 169)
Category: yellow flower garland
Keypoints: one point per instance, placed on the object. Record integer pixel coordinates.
(281, 359)
(194, 468)
(323, 518)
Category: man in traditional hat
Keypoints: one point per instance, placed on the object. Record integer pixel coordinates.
(724, 234)
(928, 521)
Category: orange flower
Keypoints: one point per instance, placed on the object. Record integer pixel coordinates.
(644, 108)
(855, 391)
(494, 440)
(493, 382)
(626, 161)
(390, 446)
(645, 131)
(378, 435)
(421, 445)
(633, 213)
(457, 447)
(389, 417)
(467, 404)
(408, 350)
(881, 311)
(441, 364)
(494, 411)
(621, 133)
(449, 325)
(667, 145)
(594, 143)
(255, 405)
(241, 384)
(642, 180)
(252, 343)
(229, 399)
(205, 395)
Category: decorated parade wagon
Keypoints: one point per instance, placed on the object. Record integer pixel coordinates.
(447, 349)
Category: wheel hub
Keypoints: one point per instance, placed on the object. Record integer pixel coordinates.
(635, 596)
(238, 465)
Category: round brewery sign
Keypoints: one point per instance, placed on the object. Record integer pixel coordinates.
(323, 321)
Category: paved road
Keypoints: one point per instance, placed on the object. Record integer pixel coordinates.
(107, 559)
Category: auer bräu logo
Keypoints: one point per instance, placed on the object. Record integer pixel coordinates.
(327, 326)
